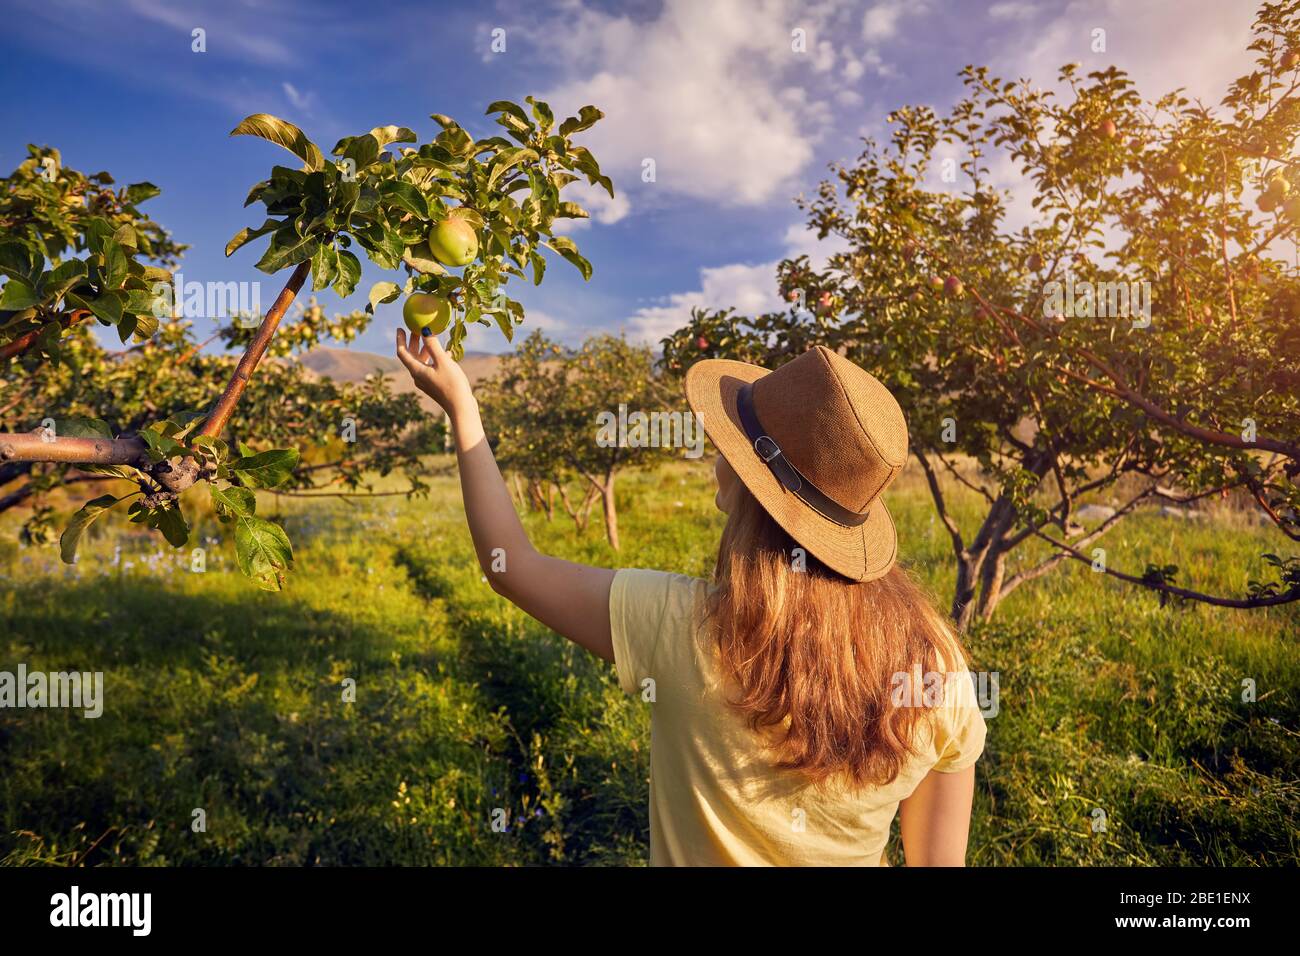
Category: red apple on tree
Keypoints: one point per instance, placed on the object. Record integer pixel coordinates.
(1107, 128)
(701, 343)
(952, 287)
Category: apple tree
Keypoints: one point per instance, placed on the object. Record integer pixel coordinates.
(1132, 330)
(379, 195)
(588, 414)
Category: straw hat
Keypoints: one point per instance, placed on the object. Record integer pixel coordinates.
(816, 442)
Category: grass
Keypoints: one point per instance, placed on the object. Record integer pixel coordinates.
(478, 737)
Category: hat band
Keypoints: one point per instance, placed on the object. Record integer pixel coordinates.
(786, 473)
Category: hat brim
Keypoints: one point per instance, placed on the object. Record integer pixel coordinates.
(863, 553)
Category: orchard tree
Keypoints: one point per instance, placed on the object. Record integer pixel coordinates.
(485, 206)
(1140, 330)
(590, 413)
(74, 248)
(519, 402)
(349, 432)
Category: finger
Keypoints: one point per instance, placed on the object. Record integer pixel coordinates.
(426, 352)
(404, 355)
(432, 343)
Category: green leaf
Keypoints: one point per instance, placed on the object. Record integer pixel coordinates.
(413, 257)
(267, 469)
(126, 236)
(232, 502)
(514, 109)
(282, 133)
(115, 270)
(18, 261)
(170, 520)
(248, 234)
(545, 118)
(504, 324)
(406, 196)
(349, 274)
(79, 426)
(90, 511)
(324, 266)
(67, 275)
(106, 307)
(160, 446)
(111, 471)
(569, 250)
(587, 117)
(393, 134)
(212, 449)
(383, 292)
(18, 294)
(283, 253)
(139, 192)
(507, 159)
(362, 150)
(263, 551)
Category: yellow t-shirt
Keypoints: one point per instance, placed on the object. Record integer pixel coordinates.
(715, 797)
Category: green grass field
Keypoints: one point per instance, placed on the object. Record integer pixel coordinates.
(224, 698)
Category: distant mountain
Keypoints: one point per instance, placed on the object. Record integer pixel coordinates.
(346, 365)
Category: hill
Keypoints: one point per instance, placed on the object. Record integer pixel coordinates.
(347, 365)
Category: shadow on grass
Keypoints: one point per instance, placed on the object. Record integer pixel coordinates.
(228, 737)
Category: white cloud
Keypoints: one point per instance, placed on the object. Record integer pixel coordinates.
(881, 20)
(598, 204)
(230, 29)
(1012, 10)
(1162, 44)
(712, 92)
(749, 289)
(303, 102)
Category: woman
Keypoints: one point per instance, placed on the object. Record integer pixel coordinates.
(812, 691)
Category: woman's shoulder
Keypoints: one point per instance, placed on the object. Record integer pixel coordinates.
(668, 593)
(652, 614)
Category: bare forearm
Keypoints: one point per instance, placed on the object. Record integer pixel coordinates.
(570, 598)
(493, 521)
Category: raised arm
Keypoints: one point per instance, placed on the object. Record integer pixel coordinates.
(571, 599)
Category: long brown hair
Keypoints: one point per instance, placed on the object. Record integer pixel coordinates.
(813, 657)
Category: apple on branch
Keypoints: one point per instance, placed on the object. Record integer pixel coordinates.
(425, 310)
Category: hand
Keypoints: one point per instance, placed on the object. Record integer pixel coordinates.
(434, 371)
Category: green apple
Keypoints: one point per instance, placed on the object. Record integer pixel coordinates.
(424, 310)
(453, 242)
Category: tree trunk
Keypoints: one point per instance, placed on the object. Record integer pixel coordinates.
(991, 576)
(611, 512)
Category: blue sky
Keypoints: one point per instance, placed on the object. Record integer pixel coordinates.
(737, 122)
